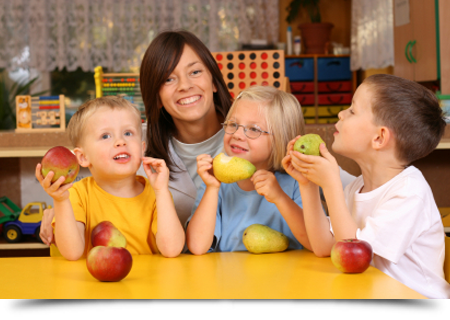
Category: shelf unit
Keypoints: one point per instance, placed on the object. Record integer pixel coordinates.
(311, 74)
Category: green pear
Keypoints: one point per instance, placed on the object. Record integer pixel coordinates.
(309, 144)
(259, 238)
(231, 169)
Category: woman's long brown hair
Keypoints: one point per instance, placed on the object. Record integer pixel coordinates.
(160, 59)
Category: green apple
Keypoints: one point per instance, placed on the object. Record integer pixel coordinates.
(308, 144)
(231, 169)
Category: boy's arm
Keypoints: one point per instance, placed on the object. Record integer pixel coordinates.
(68, 232)
(200, 230)
(317, 225)
(170, 233)
(324, 171)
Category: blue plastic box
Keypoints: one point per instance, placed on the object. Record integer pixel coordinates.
(333, 69)
(300, 69)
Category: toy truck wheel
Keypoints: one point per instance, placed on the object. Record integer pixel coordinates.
(36, 233)
(12, 234)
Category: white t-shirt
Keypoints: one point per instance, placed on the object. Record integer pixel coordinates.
(402, 223)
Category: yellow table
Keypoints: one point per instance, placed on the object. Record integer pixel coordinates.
(233, 275)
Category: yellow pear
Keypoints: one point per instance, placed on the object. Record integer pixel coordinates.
(308, 144)
(231, 169)
(259, 238)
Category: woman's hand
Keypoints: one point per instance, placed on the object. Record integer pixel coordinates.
(55, 190)
(205, 170)
(157, 173)
(266, 185)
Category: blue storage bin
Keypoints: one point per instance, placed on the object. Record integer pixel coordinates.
(300, 69)
(333, 69)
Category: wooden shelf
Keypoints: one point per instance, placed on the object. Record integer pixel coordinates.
(23, 152)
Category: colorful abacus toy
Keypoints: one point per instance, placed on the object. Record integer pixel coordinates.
(242, 69)
(40, 114)
(125, 85)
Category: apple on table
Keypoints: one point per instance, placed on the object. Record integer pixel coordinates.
(351, 255)
(108, 260)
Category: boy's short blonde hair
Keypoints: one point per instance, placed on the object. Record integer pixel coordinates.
(77, 123)
(283, 115)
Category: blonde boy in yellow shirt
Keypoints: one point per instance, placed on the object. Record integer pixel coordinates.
(107, 135)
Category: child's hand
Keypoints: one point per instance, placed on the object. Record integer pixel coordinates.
(290, 169)
(159, 176)
(205, 170)
(55, 190)
(319, 170)
(266, 185)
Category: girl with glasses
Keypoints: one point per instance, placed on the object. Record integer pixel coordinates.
(259, 126)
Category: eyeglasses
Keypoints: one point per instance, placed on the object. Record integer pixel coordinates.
(251, 131)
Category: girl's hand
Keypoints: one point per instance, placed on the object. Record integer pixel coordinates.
(157, 173)
(205, 170)
(266, 185)
(290, 169)
(319, 170)
(55, 189)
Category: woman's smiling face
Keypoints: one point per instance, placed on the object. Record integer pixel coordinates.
(187, 94)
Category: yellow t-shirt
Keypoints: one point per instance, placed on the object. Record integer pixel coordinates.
(134, 217)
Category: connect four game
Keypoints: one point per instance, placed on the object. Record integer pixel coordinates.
(242, 69)
(125, 85)
(40, 114)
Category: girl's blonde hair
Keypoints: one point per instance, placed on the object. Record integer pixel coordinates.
(283, 115)
(75, 129)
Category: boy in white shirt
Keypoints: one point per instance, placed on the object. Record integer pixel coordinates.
(391, 123)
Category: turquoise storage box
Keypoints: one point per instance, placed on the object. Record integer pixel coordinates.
(299, 69)
(333, 69)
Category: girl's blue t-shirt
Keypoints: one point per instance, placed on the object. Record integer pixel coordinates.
(238, 209)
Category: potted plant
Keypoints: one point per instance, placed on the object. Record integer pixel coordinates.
(316, 34)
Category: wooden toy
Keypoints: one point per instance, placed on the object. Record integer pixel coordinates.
(125, 85)
(242, 69)
(40, 114)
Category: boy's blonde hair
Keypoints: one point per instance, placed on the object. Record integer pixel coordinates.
(77, 123)
(283, 115)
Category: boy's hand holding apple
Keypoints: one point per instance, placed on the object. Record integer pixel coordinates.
(320, 170)
(56, 172)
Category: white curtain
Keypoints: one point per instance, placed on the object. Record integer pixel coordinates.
(49, 34)
(372, 34)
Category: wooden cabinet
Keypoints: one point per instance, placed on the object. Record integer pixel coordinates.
(415, 43)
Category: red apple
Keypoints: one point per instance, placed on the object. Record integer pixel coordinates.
(62, 162)
(351, 255)
(109, 263)
(106, 234)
